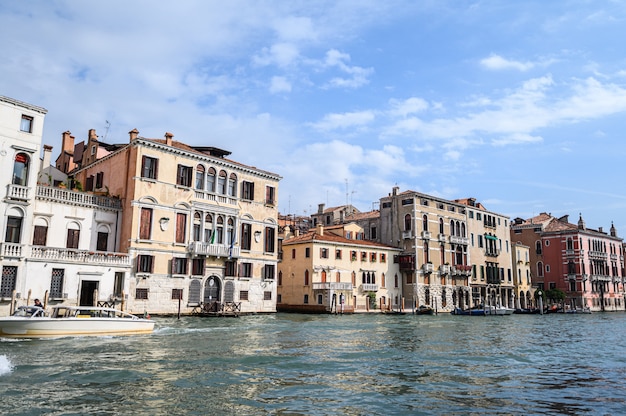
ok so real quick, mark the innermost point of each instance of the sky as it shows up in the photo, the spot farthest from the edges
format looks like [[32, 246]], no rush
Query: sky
[[520, 105]]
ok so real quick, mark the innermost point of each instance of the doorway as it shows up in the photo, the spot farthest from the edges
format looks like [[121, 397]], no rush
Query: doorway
[[87, 289]]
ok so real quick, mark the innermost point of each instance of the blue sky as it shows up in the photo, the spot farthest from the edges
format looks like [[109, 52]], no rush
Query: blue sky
[[519, 104]]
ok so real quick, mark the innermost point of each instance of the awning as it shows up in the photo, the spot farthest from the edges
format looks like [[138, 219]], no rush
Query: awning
[[491, 237]]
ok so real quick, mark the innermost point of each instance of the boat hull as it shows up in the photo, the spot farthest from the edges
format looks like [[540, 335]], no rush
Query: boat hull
[[49, 327]]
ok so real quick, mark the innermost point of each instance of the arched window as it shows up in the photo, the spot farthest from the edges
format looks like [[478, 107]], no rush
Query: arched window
[[538, 247], [570, 244], [230, 226], [407, 222], [208, 228], [440, 225], [452, 227], [442, 252], [280, 278], [200, 177], [221, 183], [219, 238], [338, 277], [232, 185], [20, 169], [14, 221], [425, 222], [306, 277], [462, 230], [458, 229], [323, 276], [426, 253], [210, 180], [539, 268]]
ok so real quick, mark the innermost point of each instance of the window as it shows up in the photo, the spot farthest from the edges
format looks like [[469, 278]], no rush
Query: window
[[269, 272], [20, 169], [179, 265], [177, 294], [246, 236], [149, 167], [118, 284], [373, 235], [221, 183], [363, 256], [73, 235], [270, 238], [373, 257], [306, 299], [56, 283], [40, 235], [306, 277], [230, 268], [183, 175], [247, 190], [353, 255], [197, 267], [267, 295], [320, 299], [102, 244], [181, 228], [243, 295], [307, 252], [383, 258], [407, 222], [245, 270], [425, 222], [338, 254], [232, 185], [324, 253], [14, 230], [141, 293], [270, 195], [210, 180], [99, 180], [9, 278], [145, 263], [89, 183], [27, 124], [200, 177], [145, 224]]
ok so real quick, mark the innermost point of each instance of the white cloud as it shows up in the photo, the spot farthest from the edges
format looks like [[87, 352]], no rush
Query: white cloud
[[358, 76], [496, 62], [279, 54], [345, 120], [409, 106], [280, 84], [517, 138]]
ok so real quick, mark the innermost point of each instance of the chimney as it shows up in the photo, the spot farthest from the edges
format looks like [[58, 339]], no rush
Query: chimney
[[168, 138], [92, 135], [320, 208], [47, 156], [319, 229], [133, 134], [67, 142], [394, 190], [600, 230], [613, 230]]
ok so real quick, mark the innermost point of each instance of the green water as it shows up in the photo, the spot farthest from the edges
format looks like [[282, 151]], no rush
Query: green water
[[289, 364]]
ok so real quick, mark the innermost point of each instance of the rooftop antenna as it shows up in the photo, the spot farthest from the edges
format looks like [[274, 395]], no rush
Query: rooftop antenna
[[347, 193], [106, 130]]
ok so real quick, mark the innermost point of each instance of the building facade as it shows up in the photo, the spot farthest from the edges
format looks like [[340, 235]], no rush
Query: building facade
[[200, 229], [522, 279], [585, 264], [328, 270], [432, 234]]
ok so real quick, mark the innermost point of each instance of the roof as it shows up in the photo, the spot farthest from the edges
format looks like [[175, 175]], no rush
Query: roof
[[314, 236], [357, 216]]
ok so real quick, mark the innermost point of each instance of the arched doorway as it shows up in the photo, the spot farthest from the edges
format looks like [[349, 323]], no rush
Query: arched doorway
[[212, 290]]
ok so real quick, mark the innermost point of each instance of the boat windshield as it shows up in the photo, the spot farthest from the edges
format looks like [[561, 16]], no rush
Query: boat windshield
[[28, 311]]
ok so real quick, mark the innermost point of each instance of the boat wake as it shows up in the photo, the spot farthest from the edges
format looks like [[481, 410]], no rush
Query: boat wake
[[5, 365]]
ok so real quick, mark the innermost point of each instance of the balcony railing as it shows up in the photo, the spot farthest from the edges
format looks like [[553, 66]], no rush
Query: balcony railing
[[216, 250], [492, 253], [332, 286], [442, 238], [407, 234], [426, 235], [11, 249], [458, 240], [71, 255], [427, 267], [369, 287], [18, 192], [444, 269], [210, 196], [77, 198], [598, 255]]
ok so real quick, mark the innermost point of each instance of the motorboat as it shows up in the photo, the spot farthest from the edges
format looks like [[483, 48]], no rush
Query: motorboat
[[424, 310], [498, 310], [468, 312], [35, 322]]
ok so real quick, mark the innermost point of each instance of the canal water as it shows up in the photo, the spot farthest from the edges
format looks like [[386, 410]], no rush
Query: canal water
[[287, 364]]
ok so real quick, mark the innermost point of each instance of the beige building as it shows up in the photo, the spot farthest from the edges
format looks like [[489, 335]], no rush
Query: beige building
[[329, 270], [524, 291], [490, 255], [432, 235], [200, 229]]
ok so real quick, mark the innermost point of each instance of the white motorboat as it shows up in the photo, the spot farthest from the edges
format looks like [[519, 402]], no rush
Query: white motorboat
[[34, 322], [498, 310]]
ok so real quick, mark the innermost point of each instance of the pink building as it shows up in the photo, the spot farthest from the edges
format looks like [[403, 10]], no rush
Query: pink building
[[586, 264]]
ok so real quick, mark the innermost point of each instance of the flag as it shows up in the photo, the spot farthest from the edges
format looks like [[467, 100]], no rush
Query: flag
[[232, 243], [212, 237]]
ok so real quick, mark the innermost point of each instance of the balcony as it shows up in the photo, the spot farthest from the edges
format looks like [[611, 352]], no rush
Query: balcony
[[332, 286], [407, 234], [492, 253], [84, 199], [11, 250], [444, 269], [369, 287], [441, 238], [72, 255], [18, 192], [198, 248], [210, 196], [597, 255], [426, 235], [427, 267], [459, 240], [569, 253]]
